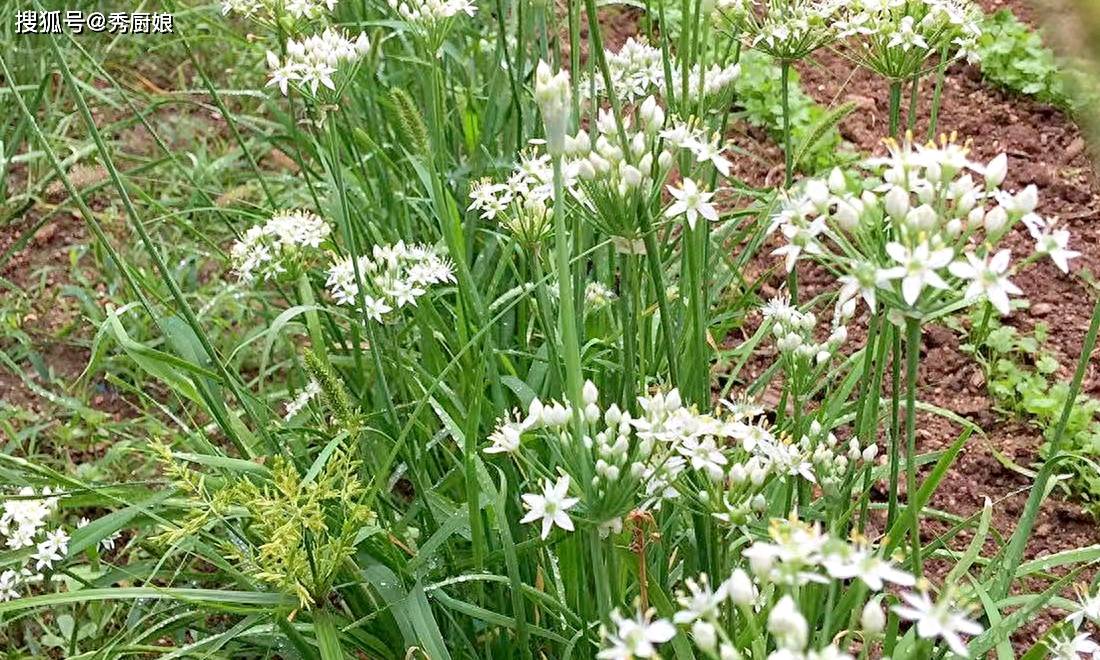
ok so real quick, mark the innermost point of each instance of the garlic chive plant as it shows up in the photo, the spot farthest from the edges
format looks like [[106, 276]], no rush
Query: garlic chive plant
[[789, 31], [897, 39]]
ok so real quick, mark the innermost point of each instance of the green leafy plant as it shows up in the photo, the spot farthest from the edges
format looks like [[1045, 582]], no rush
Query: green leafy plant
[[1013, 56], [1021, 378], [757, 92]]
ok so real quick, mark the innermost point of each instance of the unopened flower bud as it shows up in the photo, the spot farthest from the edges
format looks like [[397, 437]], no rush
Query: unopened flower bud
[[706, 638], [1026, 200], [873, 619], [995, 220], [740, 588], [837, 182], [897, 203], [846, 216], [589, 393], [631, 176], [996, 170], [818, 193]]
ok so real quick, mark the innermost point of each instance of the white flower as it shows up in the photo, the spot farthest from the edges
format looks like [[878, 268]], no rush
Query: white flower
[[375, 308], [551, 506], [107, 543], [635, 638], [704, 455], [1055, 244], [53, 549], [691, 202], [937, 620], [869, 568], [1074, 648], [506, 437], [9, 584], [987, 276], [1089, 608], [699, 602], [917, 268]]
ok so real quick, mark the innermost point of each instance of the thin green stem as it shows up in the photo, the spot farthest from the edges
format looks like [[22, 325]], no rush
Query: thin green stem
[[937, 94], [895, 408], [895, 107], [912, 364], [788, 151], [571, 351]]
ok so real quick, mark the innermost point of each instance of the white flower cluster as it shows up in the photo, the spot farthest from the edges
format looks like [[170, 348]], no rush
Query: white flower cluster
[[796, 554], [23, 524], [603, 158], [526, 197], [794, 331], [606, 172], [788, 30], [895, 37], [312, 62], [631, 461], [431, 12], [637, 70], [611, 175], [273, 9], [278, 246], [900, 237], [393, 276]]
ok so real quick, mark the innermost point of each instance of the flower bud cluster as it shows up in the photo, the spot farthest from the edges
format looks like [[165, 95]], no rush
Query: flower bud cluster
[[787, 31], [271, 10], [431, 12], [921, 219], [637, 71], [283, 244], [794, 332], [895, 38], [312, 62], [602, 158], [393, 276], [835, 462]]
